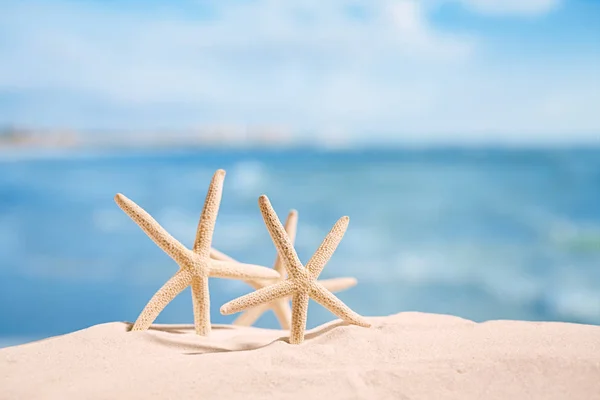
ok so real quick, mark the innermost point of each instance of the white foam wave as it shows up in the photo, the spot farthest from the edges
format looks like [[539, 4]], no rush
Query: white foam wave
[[246, 178], [579, 302]]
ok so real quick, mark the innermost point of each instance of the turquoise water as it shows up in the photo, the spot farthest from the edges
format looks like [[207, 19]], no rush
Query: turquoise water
[[483, 234]]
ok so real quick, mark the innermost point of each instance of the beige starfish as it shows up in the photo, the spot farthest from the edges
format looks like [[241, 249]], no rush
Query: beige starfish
[[302, 283], [194, 266], [281, 306]]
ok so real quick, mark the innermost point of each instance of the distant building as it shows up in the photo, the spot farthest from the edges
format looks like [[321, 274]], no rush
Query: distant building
[[10, 135]]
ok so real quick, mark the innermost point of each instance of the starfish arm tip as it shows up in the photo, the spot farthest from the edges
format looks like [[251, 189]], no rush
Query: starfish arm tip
[[236, 270], [269, 276], [366, 324], [225, 309], [119, 198], [263, 199], [359, 320], [220, 172], [258, 272]]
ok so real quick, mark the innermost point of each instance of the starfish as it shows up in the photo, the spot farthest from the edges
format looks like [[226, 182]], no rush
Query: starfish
[[281, 306], [302, 283], [195, 266]]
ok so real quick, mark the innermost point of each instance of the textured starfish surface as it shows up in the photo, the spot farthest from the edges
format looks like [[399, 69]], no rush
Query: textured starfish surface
[[280, 306], [302, 283], [195, 266]]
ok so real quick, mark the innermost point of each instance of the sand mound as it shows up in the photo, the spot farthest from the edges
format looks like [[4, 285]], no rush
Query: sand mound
[[405, 356]]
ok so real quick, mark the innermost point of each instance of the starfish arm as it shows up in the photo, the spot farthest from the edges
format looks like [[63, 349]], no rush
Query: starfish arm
[[220, 256], [283, 312], [291, 226], [338, 284], [201, 305], [208, 218], [299, 315], [250, 316], [327, 247], [261, 296], [235, 270], [335, 305], [282, 242], [157, 233], [161, 298]]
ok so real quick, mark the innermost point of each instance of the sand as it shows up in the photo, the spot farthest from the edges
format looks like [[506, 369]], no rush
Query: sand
[[405, 356]]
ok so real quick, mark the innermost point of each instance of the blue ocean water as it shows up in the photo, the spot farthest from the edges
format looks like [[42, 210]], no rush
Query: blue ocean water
[[479, 233]]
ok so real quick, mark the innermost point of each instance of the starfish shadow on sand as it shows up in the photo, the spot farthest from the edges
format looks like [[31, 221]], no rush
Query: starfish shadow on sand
[[177, 328], [174, 336]]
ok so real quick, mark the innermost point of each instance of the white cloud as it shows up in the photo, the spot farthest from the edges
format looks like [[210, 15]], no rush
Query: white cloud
[[259, 53], [137, 57], [348, 66]]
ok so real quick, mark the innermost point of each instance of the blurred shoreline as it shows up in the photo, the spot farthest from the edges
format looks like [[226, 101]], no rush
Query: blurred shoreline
[[215, 136], [18, 141]]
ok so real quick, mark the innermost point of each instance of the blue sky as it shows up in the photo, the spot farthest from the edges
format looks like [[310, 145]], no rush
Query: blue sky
[[402, 70]]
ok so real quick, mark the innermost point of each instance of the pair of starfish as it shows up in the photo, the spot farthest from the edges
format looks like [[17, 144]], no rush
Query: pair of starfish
[[196, 266]]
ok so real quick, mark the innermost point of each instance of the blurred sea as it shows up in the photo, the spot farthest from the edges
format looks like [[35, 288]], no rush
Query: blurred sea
[[479, 233]]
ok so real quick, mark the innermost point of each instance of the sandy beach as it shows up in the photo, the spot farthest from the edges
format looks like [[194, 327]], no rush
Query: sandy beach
[[404, 356]]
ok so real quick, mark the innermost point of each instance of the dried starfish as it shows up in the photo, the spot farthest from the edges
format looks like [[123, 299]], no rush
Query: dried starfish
[[281, 306], [302, 283], [195, 267]]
